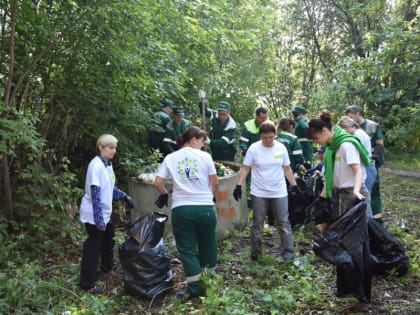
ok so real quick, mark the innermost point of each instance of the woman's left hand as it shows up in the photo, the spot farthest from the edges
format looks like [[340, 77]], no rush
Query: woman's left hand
[[358, 195]]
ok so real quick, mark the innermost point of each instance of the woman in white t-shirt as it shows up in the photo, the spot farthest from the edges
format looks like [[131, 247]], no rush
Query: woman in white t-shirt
[[95, 213], [353, 128], [345, 161], [194, 180], [270, 163]]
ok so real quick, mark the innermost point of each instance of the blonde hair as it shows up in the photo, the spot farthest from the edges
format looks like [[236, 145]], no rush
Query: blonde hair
[[106, 140], [346, 122]]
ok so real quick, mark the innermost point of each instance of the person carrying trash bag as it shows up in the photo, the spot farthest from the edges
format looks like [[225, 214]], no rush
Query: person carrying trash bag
[[95, 213], [194, 179], [345, 161]]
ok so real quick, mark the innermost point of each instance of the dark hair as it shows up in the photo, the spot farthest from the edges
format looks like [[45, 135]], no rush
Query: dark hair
[[267, 127], [353, 109], [292, 123], [316, 124], [285, 124], [190, 133], [260, 110]]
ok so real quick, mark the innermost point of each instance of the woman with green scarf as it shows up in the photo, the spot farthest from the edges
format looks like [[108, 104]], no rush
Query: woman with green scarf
[[345, 161]]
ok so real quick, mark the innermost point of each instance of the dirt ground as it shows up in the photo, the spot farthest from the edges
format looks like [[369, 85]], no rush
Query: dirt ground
[[402, 298]]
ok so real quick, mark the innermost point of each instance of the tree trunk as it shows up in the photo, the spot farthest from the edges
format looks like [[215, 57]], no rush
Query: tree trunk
[[7, 188]]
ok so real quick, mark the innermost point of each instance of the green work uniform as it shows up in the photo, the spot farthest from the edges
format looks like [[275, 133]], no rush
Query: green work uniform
[[305, 143], [375, 133], [222, 137], [249, 135], [158, 129], [172, 130], [293, 147]]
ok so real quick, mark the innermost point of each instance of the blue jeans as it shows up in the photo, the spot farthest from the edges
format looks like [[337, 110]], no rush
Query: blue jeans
[[371, 174]]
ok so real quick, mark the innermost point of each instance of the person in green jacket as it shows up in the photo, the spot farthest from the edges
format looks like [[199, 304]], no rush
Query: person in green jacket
[[223, 130], [158, 128], [299, 113], [377, 142], [250, 131], [291, 142], [176, 126]]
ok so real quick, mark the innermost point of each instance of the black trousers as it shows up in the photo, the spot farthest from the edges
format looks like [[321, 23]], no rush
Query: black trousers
[[98, 244]]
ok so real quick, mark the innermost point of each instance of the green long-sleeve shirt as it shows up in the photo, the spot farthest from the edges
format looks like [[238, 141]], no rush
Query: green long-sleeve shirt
[[222, 136], [294, 148], [172, 130]]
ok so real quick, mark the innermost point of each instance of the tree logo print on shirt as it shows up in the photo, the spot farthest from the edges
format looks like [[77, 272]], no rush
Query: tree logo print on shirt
[[187, 167]]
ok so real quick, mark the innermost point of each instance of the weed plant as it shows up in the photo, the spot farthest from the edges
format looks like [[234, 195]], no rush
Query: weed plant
[[40, 271]]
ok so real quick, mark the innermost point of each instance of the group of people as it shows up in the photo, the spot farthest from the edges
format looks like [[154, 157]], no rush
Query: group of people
[[271, 154], [163, 132]]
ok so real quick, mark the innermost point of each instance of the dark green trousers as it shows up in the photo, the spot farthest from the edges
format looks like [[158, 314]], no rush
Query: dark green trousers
[[194, 229]]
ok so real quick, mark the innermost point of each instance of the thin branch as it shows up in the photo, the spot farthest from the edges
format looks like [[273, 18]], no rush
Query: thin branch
[[51, 44], [9, 81]]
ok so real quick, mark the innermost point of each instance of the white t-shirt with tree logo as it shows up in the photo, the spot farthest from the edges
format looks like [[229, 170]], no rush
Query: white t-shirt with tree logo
[[189, 170]]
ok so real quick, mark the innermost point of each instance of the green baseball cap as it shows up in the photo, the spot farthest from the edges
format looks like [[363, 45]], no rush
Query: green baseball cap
[[225, 106], [299, 110], [178, 111], [166, 103]]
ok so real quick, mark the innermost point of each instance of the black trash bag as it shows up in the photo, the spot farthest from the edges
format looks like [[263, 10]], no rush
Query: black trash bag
[[385, 253], [345, 243], [298, 206], [144, 258]]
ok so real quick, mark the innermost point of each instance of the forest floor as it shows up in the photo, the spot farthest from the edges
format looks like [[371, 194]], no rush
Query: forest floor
[[390, 294], [41, 272]]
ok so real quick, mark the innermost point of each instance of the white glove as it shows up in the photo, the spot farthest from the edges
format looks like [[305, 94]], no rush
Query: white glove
[[201, 94]]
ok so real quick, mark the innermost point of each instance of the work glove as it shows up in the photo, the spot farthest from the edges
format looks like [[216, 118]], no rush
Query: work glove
[[237, 192], [201, 94], [162, 201], [129, 201]]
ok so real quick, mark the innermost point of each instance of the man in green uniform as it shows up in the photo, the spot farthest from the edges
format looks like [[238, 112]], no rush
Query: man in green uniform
[[161, 120], [223, 130], [377, 142], [176, 126], [299, 113], [250, 131], [291, 143]]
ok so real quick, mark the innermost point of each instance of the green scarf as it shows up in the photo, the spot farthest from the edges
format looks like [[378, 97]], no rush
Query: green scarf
[[339, 137]]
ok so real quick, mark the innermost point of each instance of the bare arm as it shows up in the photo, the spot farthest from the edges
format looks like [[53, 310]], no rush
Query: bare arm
[[289, 175], [242, 175], [358, 180], [213, 183], [160, 185]]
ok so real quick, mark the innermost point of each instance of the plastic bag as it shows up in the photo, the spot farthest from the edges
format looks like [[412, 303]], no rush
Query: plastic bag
[[386, 254], [144, 259], [345, 243], [299, 207]]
